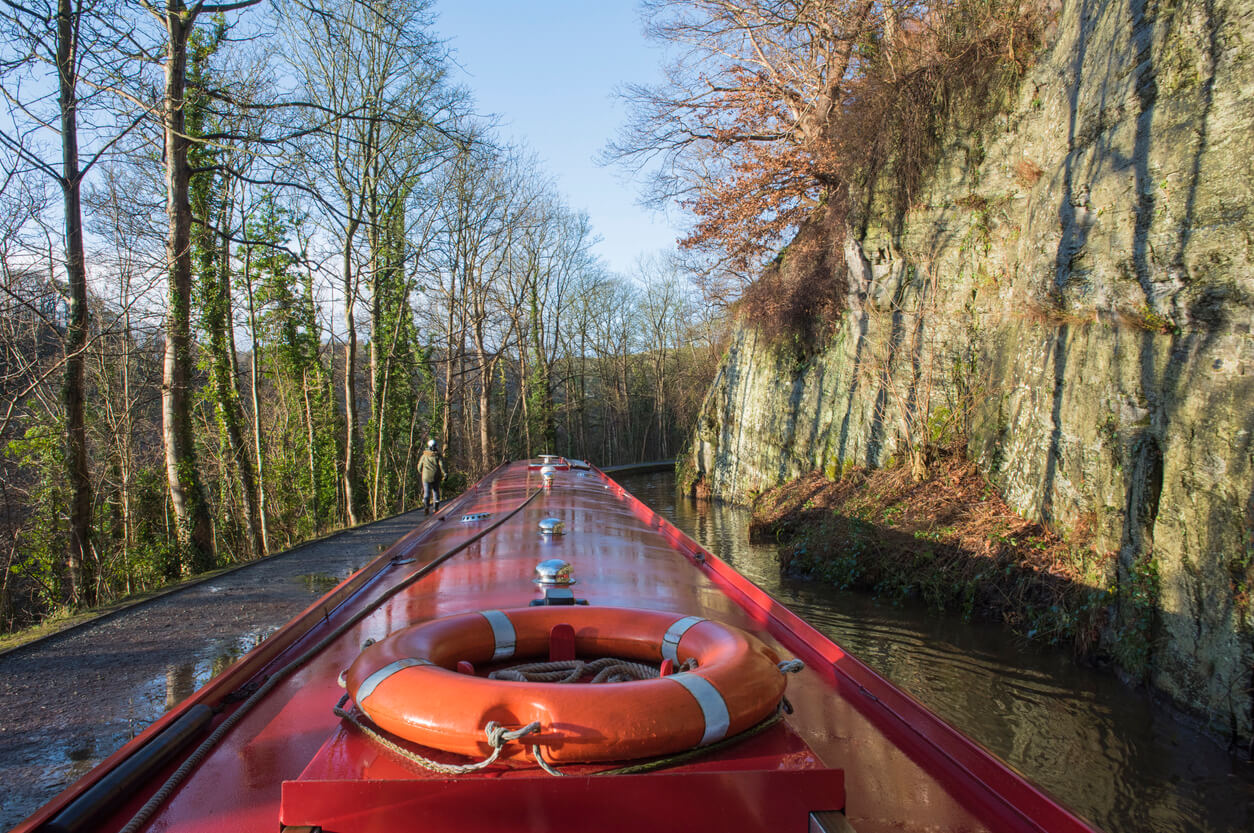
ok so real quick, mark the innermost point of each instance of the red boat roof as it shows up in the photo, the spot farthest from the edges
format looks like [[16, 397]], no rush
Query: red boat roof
[[903, 768]]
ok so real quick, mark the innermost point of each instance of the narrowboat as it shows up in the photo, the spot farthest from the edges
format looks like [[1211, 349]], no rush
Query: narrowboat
[[546, 653]]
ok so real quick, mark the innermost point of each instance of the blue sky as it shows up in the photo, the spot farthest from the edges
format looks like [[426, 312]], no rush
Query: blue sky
[[548, 69]]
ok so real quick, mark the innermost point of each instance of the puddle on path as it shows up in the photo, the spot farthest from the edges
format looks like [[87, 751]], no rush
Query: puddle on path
[[320, 584], [45, 761], [182, 679]]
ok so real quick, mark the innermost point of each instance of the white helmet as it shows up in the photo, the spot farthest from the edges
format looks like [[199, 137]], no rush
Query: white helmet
[[431, 443]]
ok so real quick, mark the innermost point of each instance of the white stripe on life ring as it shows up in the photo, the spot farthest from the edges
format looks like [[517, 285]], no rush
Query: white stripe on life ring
[[502, 633], [713, 706], [368, 685], [670, 640]]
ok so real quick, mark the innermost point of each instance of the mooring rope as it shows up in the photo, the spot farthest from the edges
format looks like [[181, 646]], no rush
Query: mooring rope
[[498, 736]]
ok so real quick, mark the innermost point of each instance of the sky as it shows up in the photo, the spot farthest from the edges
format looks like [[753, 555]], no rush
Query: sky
[[548, 69]]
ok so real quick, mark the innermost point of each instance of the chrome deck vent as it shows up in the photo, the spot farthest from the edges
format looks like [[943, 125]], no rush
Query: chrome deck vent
[[553, 526], [475, 517], [554, 572], [554, 578]]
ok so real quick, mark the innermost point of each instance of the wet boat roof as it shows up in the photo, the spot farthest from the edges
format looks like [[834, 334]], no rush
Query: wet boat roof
[[903, 768]]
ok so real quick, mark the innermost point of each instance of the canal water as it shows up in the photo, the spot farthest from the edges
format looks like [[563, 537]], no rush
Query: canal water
[[1124, 762]]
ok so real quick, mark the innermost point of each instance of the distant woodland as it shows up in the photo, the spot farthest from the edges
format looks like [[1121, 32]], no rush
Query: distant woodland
[[254, 255]]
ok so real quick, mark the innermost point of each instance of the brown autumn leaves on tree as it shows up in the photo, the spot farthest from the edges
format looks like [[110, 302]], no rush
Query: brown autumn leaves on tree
[[783, 115]]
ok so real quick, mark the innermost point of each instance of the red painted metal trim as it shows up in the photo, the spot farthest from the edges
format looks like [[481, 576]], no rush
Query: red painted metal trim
[[251, 664], [770, 801], [976, 780], [966, 763]]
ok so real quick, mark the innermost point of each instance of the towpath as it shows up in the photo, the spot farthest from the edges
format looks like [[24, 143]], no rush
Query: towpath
[[73, 698]]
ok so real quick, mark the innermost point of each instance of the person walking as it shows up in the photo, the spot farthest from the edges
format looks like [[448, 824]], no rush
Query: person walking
[[431, 470]]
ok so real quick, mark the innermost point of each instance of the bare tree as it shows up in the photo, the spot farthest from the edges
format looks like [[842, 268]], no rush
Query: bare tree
[[662, 315], [554, 249], [77, 43], [741, 121], [376, 68]]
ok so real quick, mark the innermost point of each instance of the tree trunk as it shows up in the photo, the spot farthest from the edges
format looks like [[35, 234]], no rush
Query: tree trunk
[[194, 532], [125, 455], [80, 589], [311, 439], [217, 319], [524, 396], [254, 368], [485, 400], [263, 524], [582, 409], [351, 498], [543, 382], [659, 402], [448, 365], [377, 386], [485, 419], [380, 401]]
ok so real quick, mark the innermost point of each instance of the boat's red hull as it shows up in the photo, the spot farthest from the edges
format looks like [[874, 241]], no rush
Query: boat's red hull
[[903, 768]]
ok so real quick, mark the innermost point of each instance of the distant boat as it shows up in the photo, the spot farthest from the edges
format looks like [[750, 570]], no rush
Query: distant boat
[[423, 693]]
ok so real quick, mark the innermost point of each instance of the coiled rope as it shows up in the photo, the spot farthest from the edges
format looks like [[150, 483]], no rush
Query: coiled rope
[[604, 670]]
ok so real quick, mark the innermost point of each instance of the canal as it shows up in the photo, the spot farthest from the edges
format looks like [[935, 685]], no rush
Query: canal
[[1103, 748], [1123, 761]]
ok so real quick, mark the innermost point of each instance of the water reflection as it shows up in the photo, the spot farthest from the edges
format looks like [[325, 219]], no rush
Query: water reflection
[[319, 584], [1104, 749], [184, 678]]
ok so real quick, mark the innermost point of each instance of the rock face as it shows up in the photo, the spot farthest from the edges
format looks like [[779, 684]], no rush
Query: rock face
[[1074, 294]]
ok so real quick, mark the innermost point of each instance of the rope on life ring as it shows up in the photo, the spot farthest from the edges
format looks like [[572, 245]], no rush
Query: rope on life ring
[[405, 684], [497, 737], [603, 670], [496, 733]]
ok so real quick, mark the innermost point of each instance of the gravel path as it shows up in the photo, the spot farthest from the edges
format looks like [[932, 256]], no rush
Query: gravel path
[[72, 699]]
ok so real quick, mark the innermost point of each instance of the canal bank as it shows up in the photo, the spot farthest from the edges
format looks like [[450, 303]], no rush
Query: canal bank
[[77, 696], [1105, 749]]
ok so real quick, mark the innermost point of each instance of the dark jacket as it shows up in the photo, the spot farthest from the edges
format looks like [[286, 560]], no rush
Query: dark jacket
[[431, 467]]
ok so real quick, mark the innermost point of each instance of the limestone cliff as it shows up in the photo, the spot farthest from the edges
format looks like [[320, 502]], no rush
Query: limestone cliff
[[1074, 294]]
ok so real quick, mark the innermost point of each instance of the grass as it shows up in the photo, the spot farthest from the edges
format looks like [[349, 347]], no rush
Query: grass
[[64, 619]]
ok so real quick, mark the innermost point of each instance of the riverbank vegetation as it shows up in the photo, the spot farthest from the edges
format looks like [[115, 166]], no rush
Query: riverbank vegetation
[[948, 540], [253, 257]]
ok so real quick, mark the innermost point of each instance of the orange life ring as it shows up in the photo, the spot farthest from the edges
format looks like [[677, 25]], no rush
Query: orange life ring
[[406, 684]]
